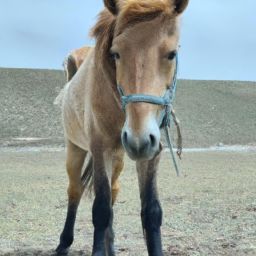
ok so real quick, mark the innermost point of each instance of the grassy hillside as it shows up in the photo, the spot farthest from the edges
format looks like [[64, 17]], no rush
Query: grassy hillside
[[210, 111]]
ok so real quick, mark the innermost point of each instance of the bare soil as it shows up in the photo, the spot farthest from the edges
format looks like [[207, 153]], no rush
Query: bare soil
[[210, 210]]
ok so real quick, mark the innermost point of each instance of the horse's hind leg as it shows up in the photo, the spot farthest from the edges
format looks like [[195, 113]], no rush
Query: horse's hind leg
[[118, 165], [116, 170], [74, 164], [151, 212]]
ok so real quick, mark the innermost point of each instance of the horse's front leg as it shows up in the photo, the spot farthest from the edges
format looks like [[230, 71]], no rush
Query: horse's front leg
[[102, 206], [151, 212]]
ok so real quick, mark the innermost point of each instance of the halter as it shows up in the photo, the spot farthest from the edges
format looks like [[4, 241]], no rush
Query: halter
[[165, 115]]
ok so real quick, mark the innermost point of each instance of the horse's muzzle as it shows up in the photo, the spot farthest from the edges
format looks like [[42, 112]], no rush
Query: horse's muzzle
[[145, 146]]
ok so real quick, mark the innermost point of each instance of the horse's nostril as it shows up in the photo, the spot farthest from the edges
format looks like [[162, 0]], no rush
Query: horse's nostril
[[137, 147], [125, 137], [152, 140]]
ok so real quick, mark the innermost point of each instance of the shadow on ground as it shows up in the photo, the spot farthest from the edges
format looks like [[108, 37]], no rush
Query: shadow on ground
[[36, 252]]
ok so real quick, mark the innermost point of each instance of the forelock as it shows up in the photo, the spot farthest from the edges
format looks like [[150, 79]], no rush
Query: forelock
[[137, 11]]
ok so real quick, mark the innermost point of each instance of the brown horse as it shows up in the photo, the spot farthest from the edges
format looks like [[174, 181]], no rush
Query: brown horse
[[136, 43], [74, 61]]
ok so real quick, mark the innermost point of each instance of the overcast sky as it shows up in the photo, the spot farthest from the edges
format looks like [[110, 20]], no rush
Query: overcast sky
[[218, 38]]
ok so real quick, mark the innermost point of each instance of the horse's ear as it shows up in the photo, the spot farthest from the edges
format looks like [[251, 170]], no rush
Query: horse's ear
[[111, 6], [180, 6]]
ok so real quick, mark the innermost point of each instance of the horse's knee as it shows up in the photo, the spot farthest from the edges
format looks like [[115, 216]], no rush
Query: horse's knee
[[75, 184], [74, 192], [151, 215]]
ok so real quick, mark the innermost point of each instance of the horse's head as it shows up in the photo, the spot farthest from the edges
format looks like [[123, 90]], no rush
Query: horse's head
[[144, 46]]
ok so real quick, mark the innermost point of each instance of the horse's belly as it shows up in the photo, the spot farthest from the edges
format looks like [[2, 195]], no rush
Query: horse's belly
[[74, 121], [76, 134]]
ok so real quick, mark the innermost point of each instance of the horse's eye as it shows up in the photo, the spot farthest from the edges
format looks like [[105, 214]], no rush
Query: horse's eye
[[172, 55], [115, 55]]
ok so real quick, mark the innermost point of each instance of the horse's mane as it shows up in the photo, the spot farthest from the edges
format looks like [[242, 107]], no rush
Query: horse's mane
[[131, 13], [103, 32]]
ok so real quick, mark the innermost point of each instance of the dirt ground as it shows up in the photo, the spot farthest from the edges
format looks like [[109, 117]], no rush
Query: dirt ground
[[211, 210]]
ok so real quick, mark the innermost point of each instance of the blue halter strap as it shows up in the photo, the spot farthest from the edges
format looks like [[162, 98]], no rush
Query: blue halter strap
[[166, 114], [166, 100]]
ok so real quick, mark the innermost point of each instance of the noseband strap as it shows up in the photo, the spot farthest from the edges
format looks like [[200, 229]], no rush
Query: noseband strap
[[163, 101], [167, 113]]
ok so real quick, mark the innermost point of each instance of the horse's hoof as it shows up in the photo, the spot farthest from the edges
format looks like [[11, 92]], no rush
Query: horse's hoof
[[99, 253], [111, 250], [61, 251]]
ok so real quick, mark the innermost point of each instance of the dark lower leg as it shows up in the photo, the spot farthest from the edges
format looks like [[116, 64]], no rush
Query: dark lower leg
[[151, 216], [151, 212], [109, 238], [67, 235], [101, 216]]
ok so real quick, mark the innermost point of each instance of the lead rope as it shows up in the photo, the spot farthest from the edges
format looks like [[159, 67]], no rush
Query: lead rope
[[177, 124], [179, 139], [170, 145]]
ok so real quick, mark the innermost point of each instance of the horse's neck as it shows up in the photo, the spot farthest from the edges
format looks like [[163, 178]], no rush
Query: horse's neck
[[105, 99], [105, 83]]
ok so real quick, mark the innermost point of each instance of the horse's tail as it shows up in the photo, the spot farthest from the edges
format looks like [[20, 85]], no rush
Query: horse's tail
[[70, 69], [87, 177]]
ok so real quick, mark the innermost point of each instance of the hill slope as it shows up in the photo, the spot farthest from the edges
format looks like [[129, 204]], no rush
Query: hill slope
[[210, 111]]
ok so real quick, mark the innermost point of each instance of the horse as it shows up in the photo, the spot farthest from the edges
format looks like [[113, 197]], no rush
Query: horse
[[74, 60], [113, 104]]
